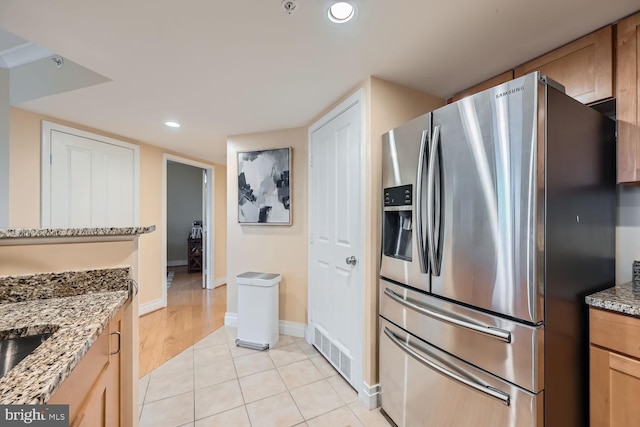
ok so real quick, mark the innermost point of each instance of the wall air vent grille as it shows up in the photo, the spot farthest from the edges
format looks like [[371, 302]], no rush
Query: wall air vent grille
[[345, 365], [335, 355], [333, 352]]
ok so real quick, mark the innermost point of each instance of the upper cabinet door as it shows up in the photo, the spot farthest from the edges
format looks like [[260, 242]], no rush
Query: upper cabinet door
[[494, 81], [584, 67], [627, 94]]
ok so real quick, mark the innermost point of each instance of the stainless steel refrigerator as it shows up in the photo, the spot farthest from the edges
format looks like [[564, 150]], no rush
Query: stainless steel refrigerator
[[498, 218]]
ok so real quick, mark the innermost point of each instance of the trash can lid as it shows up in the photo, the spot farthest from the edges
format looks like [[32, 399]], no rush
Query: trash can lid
[[258, 278]]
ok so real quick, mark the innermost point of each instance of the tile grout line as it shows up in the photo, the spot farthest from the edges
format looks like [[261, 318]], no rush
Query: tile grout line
[[233, 361], [290, 395]]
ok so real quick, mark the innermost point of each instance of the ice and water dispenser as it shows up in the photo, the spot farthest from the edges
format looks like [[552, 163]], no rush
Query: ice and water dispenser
[[398, 222]]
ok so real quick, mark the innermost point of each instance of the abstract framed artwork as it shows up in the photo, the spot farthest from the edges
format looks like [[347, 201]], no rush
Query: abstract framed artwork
[[264, 187]]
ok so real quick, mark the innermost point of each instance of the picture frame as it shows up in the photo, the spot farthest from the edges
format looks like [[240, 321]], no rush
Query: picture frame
[[264, 187]]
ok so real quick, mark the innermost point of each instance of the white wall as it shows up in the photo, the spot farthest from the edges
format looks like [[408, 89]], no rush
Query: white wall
[[4, 148], [627, 231], [184, 205]]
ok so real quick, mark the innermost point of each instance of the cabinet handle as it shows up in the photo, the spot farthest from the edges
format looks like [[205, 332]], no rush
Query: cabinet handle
[[119, 342]]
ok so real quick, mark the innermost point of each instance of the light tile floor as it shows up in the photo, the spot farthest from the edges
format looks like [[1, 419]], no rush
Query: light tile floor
[[216, 383]]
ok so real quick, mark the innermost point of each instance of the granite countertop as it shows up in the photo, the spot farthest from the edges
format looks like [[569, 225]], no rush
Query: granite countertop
[[75, 306], [34, 233], [624, 298]]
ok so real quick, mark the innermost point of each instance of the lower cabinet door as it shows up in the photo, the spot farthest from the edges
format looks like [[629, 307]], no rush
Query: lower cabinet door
[[420, 385], [95, 412], [615, 389]]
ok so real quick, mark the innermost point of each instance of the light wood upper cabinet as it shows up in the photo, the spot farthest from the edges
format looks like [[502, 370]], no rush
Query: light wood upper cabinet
[[584, 67], [614, 369], [499, 79], [627, 94]]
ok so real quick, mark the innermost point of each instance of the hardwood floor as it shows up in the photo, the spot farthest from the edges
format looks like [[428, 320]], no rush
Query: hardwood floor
[[191, 314]]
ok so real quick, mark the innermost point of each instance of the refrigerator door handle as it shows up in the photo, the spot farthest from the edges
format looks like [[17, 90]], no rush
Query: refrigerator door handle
[[499, 334], [496, 394], [424, 267], [431, 215]]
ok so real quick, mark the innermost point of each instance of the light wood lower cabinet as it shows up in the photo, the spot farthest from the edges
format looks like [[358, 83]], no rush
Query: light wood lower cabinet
[[93, 390], [614, 369]]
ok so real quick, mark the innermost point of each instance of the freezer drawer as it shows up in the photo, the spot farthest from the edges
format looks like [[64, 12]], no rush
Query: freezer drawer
[[421, 385], [511, 350]]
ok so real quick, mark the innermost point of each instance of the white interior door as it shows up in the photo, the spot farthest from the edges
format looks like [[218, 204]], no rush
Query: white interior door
[[88, 182], [207, 222], [335, 251]]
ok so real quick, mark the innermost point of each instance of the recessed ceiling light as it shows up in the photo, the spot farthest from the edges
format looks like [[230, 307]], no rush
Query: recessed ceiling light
[[341, 12], [172, 124]]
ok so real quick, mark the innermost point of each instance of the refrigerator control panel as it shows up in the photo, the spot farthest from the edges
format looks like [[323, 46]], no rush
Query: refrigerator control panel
[[398, 196]]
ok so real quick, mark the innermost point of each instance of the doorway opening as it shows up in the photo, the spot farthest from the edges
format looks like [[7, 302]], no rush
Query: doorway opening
[[188, 217]]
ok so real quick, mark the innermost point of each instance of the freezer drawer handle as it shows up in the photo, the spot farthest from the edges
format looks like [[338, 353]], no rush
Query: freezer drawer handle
[[490, 331], [496, 394]]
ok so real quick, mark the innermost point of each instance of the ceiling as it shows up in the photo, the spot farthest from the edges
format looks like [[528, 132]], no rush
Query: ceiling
[[226, 67]]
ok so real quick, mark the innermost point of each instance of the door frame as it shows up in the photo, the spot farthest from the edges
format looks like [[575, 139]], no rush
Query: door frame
[[357, 98], [209, 220], [45, 167]]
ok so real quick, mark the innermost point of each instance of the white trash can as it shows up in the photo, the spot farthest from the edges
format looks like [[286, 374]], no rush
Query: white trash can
[[258, 310]]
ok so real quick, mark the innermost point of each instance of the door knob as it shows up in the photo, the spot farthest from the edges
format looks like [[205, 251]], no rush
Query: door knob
[[351, 260]]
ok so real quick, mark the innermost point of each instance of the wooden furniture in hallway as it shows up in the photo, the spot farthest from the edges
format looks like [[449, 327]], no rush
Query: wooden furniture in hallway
[[194, 255], [191, 314]]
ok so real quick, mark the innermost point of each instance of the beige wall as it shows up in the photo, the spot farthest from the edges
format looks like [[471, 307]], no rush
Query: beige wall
[[151, 247], [24, 194], [272, 249], [220, 214], [33, 259]]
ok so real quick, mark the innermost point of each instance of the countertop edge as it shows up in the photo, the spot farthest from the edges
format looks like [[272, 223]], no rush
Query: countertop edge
[[13, 234], [623, 298]]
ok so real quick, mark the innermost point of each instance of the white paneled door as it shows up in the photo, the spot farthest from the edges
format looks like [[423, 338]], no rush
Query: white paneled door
[[91, 183], [335, 239]]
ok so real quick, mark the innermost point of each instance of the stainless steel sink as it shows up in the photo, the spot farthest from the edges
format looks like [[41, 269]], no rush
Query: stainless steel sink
[[13, 350]]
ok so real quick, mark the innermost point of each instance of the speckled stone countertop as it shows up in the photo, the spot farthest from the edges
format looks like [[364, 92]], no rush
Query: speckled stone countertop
[[30, 233], [76, 322], [624, 298], [65, 284]]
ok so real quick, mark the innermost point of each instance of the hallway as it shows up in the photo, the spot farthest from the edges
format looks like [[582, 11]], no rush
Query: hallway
[[191, 314]]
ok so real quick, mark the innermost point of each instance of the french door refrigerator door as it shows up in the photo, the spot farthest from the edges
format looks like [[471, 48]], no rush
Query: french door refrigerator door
[[404, 162], [483, 234], [423, 386]]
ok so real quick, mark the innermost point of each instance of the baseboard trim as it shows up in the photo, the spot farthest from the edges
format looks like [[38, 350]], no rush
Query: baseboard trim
[[285, 327], [178, 263], [231, 319], [219, 282], [294, 329], [150, 306], [370, 395]]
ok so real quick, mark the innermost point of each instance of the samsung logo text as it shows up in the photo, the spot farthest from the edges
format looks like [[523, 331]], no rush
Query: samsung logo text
[[510, 92]]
